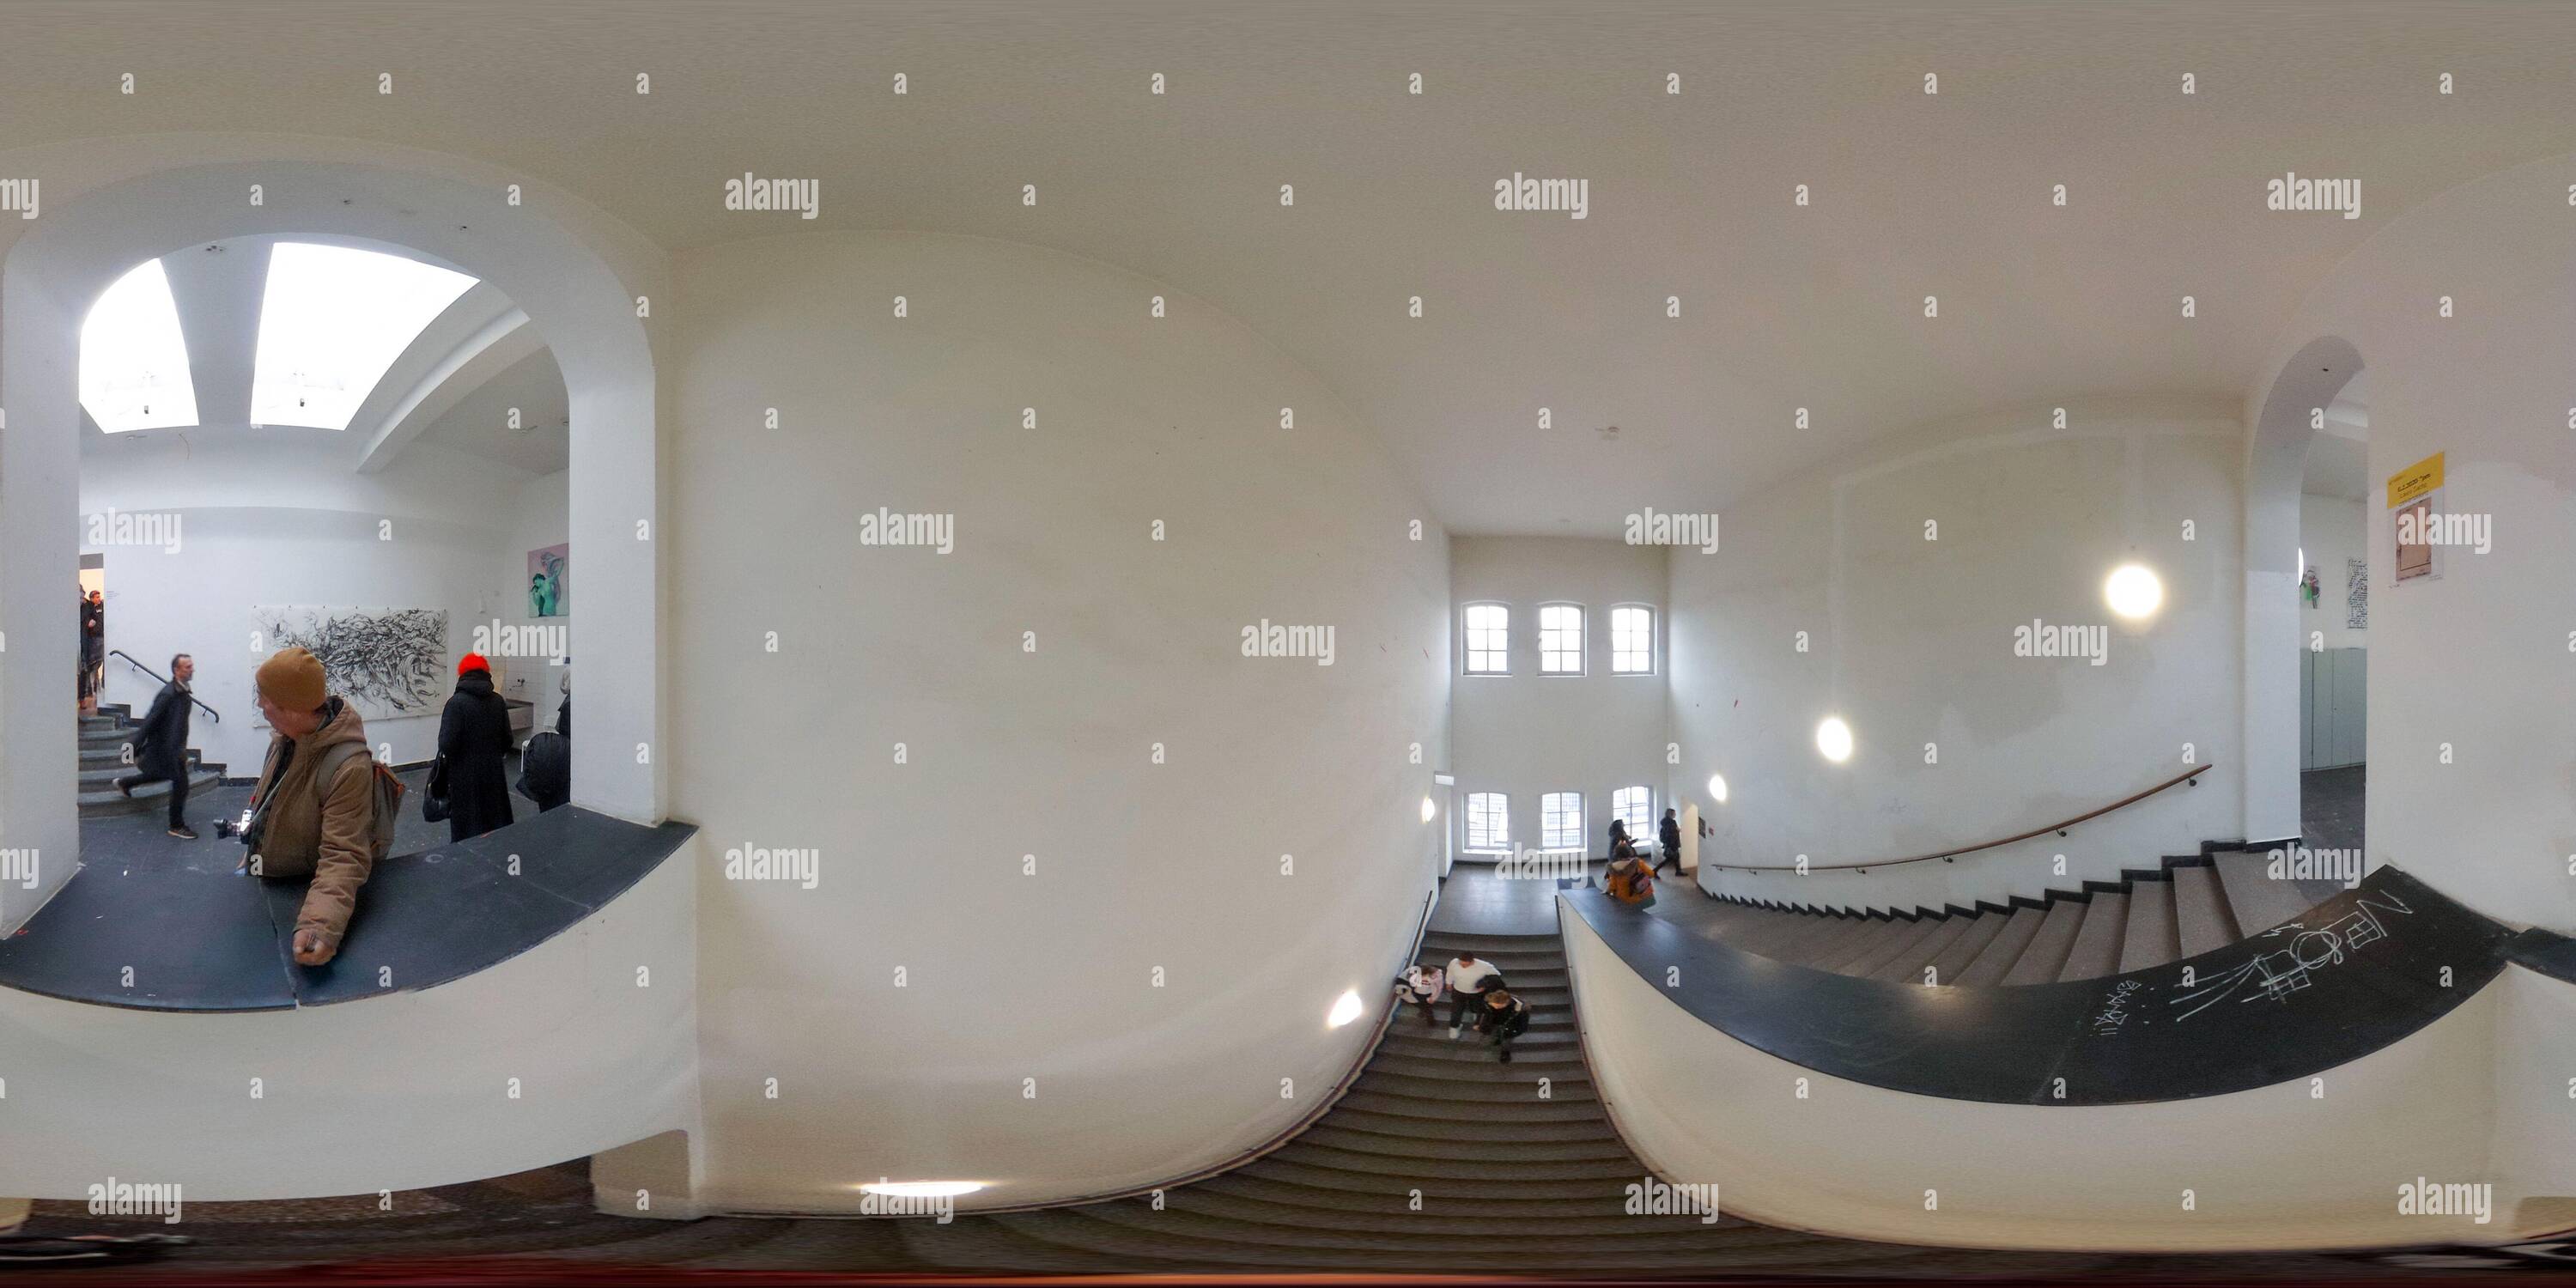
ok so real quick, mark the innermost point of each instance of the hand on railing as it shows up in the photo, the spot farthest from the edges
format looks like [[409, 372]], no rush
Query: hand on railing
[[192, 698]]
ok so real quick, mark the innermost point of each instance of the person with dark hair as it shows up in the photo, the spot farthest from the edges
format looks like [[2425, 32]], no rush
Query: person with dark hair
[[473, 754], [1672, 839], [1502, 1018], [1422, 986], [161, 745], [93, 649], [1469, 977]]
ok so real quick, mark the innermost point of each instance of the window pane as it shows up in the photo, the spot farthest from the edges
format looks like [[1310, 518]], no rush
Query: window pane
[[1635, 806], [1632, 640], [1560, 639], [1561, 821], [1489, 821], [1488, 639]]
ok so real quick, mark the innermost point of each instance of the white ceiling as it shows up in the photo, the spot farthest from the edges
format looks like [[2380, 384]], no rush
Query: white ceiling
[[1782, 306]]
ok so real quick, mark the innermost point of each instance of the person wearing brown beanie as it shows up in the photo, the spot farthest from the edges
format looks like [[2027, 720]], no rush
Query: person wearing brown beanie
[[304, 826]]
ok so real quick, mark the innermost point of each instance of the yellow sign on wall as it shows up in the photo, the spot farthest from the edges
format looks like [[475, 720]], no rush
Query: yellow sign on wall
[[2415, 480]]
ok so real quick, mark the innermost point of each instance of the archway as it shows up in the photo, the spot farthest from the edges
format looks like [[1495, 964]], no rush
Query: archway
[[584, 282], [2275, 465]]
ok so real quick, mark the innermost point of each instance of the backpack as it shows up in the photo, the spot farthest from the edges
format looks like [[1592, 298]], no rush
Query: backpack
[[387, 798]]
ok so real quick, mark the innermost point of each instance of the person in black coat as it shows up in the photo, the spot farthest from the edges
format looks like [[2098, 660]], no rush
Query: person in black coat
[[474, 743], [1672, 839], [161, 745]]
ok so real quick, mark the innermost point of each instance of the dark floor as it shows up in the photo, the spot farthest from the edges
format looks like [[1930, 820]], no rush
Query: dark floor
[[2330, 803], [144, 836]]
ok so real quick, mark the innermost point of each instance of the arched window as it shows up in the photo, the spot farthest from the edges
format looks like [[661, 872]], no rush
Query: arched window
[[1632, 640], [1489, 821], [1560, 639], [1560, 821], [1488, 631]]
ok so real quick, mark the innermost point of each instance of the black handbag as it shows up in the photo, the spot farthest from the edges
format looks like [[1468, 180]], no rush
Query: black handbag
[[433, 803]]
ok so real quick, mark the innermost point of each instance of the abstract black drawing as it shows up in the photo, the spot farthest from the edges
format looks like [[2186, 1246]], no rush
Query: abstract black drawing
[[386, 661]]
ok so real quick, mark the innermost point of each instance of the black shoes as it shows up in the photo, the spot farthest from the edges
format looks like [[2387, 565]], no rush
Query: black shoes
[[125, 788], [184, 832]]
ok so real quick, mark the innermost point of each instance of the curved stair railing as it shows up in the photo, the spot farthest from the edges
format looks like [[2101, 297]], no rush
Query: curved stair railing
[[192, 698], [2187, 778]]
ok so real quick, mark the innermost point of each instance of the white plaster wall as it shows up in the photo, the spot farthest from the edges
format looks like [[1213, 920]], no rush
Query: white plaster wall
[[2273, 1168], [1527, 734], [539, 516], [1911, 642], [2472, 681], [2331, 530], [1028, 867]]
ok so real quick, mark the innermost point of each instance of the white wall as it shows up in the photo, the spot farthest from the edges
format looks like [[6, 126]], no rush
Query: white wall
[[2332, 529], [280, 519], [1027, 1044], [1911, 642], [2472, 691], [1526, 734]]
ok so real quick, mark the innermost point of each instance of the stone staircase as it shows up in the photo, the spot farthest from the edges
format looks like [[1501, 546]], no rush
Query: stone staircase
[[1440, 1158], [2191, 905], [103, 738]]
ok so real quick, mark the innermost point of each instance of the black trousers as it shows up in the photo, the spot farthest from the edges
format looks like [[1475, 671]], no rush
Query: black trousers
[[178, 780], [1671, 856], [1460, 1004]]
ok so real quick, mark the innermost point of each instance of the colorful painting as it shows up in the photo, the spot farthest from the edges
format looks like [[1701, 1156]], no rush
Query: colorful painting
[[549, 581]]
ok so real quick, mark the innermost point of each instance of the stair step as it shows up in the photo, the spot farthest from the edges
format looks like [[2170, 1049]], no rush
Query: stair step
[[2045, 957], [1882, 935], [1456, 1231], [1160, 1243], [1490, 1127], [1907, 967], [1463, 1177], [2201, 918], [1477, 1063], [1550, 1219], [2257, 901], [1412, 1149], [2152, 939], [1953, 961], [1904, 941], [1831, 938], [147, 796], [1997, 959], [1440, 1112], [1523, 1091], [1331, 1204], [2097, 944]]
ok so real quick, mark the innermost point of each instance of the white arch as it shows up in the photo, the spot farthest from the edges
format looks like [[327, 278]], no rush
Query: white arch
[[2276, 455], [581, 277]]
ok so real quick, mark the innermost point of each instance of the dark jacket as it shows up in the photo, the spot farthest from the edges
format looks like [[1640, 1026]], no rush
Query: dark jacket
[[474, 736], [1621, 844], [563, 717], [1510, 1021], [161, 741], [1672, 835], [545, 770]]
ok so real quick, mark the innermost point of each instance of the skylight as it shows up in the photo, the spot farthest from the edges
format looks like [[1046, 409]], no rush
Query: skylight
[[133, 359], [333, 319]]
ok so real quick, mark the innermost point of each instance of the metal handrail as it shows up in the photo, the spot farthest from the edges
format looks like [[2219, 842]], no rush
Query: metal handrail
[[1949, 854], [192, 697]]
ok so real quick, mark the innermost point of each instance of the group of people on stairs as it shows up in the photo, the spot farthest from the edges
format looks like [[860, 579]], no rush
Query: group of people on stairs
[[1475, 986]]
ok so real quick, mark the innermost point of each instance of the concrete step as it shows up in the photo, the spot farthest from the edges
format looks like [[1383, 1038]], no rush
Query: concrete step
[[1419, 1148], [1515, 1128], [1362, 1177], [2097, 944], [93, 778], [1518, 1088], [1951, 962], [2000, 954], [1438, 1112], [2044, 958], [2254, 898], [2153, 938], [1911, 936], [147, 797], [2202, 920], [1907, 967]]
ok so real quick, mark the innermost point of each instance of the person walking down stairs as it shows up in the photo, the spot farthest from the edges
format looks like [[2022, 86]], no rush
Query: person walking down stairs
[[161, 748], [1469, 977], [1505, 1017], [1422, 986]]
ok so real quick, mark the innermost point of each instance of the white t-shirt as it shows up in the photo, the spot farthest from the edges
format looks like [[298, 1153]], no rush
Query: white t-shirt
[[1467, 978]]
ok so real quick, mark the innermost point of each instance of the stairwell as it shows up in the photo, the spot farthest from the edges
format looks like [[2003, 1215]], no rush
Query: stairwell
[[103, 739], [1439, 1158], [2191, 905]]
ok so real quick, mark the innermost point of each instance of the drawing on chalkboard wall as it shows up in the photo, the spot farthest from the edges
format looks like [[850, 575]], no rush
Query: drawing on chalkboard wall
[[2356, 594], [2278, 974]]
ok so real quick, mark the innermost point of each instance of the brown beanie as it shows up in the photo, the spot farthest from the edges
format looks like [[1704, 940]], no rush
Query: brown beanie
[[293, 680]]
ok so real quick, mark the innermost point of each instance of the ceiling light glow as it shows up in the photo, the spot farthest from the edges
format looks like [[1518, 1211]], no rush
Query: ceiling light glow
[[1834, 739]]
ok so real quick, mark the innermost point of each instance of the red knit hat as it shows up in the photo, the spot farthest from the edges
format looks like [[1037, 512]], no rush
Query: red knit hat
[[473, 662]]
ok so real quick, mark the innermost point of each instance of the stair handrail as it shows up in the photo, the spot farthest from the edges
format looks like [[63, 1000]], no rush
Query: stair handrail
[[1412, 953], [2059, 827], [192, 697]]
